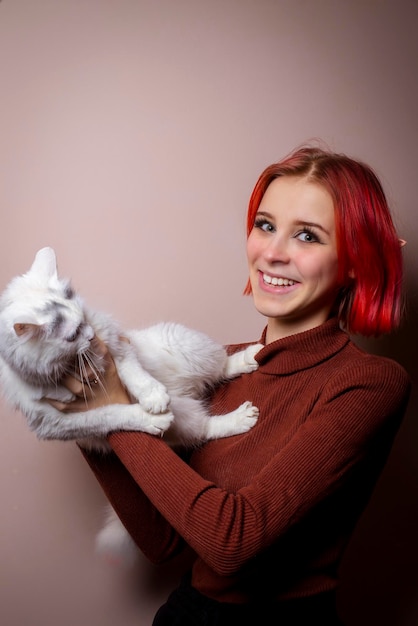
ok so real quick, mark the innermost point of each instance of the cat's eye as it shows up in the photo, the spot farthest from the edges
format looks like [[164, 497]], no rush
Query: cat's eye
[[71, 338]]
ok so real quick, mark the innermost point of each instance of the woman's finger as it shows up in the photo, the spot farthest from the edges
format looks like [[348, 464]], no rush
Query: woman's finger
[[74, 385], [75, 406]]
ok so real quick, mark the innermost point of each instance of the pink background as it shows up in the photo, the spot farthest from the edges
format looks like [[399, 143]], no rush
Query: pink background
[[132, 133]]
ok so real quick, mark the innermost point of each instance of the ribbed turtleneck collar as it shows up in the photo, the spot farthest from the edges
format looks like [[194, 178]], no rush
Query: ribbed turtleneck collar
[[303, 350]]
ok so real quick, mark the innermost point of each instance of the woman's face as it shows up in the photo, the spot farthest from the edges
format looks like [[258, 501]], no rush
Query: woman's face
[[292, 256]]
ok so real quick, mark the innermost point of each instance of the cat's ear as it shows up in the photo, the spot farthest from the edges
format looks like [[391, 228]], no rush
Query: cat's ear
[[45, 263], [23, 329]]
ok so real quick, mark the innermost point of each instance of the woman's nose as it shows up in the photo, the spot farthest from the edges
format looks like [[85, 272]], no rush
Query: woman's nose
[[277, 250]]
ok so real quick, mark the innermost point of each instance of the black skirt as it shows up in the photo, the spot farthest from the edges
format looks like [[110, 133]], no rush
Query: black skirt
[[187, 607]]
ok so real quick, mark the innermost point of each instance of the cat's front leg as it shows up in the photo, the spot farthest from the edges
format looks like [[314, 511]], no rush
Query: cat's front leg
[[99, 422], [242, 362], [147, 390]]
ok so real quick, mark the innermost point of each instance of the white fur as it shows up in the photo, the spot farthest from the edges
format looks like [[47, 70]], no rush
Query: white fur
[[46, 332]]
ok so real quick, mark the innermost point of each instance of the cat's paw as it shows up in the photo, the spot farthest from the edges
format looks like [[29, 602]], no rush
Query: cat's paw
[[236, 422], [155, 399], [249, 362], [157, 424], [243, 362], [245, 417]]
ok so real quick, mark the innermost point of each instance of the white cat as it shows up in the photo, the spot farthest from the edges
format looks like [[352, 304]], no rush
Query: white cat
[[46, 331]]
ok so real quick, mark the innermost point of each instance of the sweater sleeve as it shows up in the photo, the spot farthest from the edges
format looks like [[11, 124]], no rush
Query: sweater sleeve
[[156, 538], [225, 529]]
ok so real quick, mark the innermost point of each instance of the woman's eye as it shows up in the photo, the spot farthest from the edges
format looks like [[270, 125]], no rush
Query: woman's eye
[[307, 236], [265, 225]]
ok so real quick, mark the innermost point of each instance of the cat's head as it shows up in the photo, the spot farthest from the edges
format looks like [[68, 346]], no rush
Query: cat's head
[[42, 321]]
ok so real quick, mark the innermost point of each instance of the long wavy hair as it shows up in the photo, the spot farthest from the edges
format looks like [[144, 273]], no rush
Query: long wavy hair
[[370, 264]]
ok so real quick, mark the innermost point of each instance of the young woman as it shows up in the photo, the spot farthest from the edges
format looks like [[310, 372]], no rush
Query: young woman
[[268, 513]]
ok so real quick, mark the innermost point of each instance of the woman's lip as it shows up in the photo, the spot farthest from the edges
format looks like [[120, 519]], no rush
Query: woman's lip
[[273, 288]]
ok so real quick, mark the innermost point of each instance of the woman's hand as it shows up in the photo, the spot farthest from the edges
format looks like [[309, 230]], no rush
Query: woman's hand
[[92, 392]]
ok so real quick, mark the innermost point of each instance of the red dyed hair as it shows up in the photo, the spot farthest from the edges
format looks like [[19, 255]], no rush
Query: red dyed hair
[[370, 265]]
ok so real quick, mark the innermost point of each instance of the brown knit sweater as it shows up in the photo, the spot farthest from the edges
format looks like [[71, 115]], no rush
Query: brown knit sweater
[[267, 513]]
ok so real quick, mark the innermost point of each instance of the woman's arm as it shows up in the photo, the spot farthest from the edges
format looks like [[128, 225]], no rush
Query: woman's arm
[[227, 529], [355, 411]]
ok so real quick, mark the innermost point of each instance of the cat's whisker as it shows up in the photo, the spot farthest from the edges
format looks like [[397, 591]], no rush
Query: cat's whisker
[[82, 373], [51, 380], [97, 376], [87, 368]]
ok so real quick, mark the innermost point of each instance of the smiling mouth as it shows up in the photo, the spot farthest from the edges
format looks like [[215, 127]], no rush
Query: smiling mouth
[[277, 282]]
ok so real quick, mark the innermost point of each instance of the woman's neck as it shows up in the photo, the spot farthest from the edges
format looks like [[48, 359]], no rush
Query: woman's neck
[[281, 328]]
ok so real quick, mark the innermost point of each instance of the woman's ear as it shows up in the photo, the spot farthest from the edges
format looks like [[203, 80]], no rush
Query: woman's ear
[[402, 242]]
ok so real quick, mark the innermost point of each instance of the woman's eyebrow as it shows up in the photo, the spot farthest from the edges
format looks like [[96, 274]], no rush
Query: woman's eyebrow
[[312, 225]]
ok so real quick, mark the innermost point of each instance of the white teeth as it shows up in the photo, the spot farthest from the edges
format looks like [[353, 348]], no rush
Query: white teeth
[[277, 282]]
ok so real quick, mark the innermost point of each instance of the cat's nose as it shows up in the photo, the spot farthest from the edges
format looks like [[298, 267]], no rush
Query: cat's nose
[[88, 332]]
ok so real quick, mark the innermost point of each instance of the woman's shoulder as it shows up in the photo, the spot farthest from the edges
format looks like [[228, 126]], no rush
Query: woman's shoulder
[[373, 369], [373, 360]]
